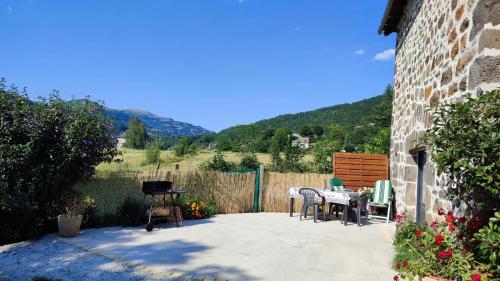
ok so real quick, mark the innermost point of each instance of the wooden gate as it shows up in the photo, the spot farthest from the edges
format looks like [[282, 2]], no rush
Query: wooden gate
[[358, 170]]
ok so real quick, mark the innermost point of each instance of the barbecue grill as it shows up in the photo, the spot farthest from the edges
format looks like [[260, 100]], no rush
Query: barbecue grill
[[155, 188]]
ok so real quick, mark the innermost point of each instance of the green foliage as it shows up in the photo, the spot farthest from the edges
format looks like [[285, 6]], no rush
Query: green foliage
[[131, 212], [193, 208], [488, 238], [249, 161], [381, 142], [185, 147], [464, 142], [153, 153], [45, 148], [383, 111], [318, 130], [438, 250], [323, 155], [135, 136], [218, 163], [305, 130], [362, 120]]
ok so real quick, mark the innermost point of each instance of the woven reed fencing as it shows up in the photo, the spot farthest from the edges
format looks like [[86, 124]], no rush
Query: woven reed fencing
[[276, 186], [232, 193]]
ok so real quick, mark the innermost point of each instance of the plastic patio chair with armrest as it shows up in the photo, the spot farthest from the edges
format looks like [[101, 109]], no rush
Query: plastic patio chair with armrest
[[360, 206], [309, 201], [382, 198]]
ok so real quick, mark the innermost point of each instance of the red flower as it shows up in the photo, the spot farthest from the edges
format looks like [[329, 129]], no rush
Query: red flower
[[438, 239], [398, 266], [451, 228], [461, 220], [405, 264], [445, 254], [434, 224], [419, 233], [475, 277], [450, 213], [450, 218], [395, 278], [440, 211]]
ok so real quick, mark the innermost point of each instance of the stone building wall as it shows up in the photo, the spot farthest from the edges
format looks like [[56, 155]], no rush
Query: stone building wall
[[444, 49]]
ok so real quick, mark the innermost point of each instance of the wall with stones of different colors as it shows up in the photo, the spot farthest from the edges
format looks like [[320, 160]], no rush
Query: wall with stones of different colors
[[444, 49]]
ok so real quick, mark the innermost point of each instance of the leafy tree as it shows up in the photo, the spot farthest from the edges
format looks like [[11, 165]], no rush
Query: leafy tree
[[323, 155], [281, 139], [336, 133], [153, 153], [305, 130], [224, 143], [46, 146], [185, 147], [464, 142], [383, 111], [317, 130], [380, 144], [135, 136]]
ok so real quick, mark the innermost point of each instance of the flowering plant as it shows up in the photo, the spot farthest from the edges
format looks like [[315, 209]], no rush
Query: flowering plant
[[74, 207], [441, 249], [193, 209]]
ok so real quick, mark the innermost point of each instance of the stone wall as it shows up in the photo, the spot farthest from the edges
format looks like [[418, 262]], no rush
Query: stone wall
[[444, 49]]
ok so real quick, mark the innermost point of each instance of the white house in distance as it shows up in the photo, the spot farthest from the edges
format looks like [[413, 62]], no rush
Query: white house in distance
[[302, 142]]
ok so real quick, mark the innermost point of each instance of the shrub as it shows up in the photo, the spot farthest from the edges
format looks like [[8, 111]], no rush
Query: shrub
[[45, 148], [440, 249], [464, 142], [153, 153], [185, 147], [249, 161], [197, 209], [131, 212], [323, 155], [218, 163], [488, 245]]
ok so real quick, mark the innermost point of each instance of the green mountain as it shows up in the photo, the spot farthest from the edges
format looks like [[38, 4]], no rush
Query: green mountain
[[347, 115]]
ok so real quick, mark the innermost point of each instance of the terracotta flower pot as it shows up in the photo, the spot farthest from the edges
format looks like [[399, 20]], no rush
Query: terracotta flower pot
[[69, 226]]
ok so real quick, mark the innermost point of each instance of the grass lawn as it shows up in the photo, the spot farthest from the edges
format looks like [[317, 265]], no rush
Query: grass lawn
[[133, 159]]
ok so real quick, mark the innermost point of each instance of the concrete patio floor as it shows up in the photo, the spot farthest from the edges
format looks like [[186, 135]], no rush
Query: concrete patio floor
[[264, 246]]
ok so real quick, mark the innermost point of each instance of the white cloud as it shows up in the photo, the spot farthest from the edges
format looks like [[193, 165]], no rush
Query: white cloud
[[9, 9], [359, 52], [385, 55]]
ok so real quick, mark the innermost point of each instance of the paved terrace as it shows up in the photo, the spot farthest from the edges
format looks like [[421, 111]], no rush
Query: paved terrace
[[265, 246]]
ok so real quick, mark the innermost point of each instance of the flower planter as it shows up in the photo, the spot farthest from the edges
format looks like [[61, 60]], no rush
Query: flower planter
[[69, 226]]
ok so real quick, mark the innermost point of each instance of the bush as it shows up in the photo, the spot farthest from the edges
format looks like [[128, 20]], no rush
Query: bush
[[131, 212], [218, 163], [323, 155], [153, 153], [45, 148], [441, 249], [197, 209], [185, 147], [249, 161], [464, 142], [488, 245]]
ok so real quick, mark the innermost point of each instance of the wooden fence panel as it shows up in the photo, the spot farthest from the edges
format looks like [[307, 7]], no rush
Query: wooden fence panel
[[359, 170]]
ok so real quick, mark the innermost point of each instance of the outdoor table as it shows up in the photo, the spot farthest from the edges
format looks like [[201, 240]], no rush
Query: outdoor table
[[326, 196], [175, 201]]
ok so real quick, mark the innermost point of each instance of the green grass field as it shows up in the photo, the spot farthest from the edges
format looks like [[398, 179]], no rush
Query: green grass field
[[133, 159]]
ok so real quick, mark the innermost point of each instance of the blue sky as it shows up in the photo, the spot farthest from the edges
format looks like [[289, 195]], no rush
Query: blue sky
[[213, 63]]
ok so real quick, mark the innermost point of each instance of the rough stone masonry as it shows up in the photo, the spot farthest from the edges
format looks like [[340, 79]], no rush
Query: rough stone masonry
[[444, 49]]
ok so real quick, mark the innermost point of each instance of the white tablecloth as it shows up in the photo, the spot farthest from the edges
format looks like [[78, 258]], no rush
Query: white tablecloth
[[330, 196]]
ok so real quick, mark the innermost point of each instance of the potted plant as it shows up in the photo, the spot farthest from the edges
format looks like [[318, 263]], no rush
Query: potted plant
[[69, 223]]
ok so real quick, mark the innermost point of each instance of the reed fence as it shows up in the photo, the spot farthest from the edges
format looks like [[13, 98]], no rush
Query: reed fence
[[232, 193], [276, 186]]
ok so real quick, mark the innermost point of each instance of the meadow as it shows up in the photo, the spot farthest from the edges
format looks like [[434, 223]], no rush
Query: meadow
[[133, 159]]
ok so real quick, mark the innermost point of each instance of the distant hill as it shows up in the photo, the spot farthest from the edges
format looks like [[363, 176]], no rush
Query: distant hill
[[348, 115], [154, 124]]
